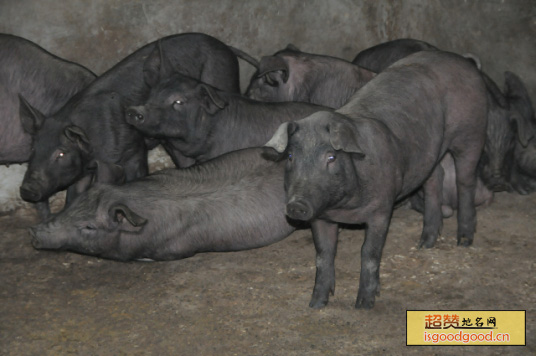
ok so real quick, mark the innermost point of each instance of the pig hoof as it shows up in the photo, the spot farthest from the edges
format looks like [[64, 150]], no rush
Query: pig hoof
[[363, 303], [465, 241], [427, 243], [317, 304]]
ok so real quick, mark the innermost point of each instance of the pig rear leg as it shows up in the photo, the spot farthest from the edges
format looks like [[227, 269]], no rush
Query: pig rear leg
[[371, 254], [466, 163], [325, 236], [432, 215]]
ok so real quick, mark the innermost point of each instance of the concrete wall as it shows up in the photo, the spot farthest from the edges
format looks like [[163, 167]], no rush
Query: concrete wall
[[99, 33]]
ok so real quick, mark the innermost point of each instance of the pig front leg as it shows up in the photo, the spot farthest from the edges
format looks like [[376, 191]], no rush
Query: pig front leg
[[325, 235], [43, 209], [371, 254], [433, 218]]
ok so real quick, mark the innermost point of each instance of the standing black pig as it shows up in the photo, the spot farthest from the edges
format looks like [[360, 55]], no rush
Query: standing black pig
[[498, 149], [197, 121], [351, 166], [90, 130], [292, 75], [523, 168], [449, 202], [235, 202], [43, 79]]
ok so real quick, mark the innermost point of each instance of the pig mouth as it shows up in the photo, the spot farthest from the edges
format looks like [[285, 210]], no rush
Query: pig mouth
[[497, 184], [299, 209], [41, 241]]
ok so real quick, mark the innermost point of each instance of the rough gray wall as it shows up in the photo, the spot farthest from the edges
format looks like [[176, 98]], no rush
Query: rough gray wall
[[99, 33]]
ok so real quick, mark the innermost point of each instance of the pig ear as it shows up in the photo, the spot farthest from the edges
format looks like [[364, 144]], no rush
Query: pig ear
[[31, 118], [156, 66], [107, 172], [292, 47], [523, 129], [212, 102], [274, 64], [495, 92], [276, 147], [474, 59], [343, 137], [513, 85], [127, 219], [77, 136], [279, 140]]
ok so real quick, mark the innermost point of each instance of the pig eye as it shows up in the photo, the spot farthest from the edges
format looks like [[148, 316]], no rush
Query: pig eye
[[60, 155], [176, 104], [331, 158], [88, 229]]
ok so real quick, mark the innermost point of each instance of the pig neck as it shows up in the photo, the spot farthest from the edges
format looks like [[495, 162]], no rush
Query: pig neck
[[334, 83], [241, 124], [379, 174], [246, 119]]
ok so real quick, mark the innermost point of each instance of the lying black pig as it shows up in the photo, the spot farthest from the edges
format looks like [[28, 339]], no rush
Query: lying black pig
[[353, 165], [378, 57], [197, 122], [234, 202]]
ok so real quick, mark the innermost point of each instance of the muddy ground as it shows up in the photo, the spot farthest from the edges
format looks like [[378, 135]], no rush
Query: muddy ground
[[256, 302]]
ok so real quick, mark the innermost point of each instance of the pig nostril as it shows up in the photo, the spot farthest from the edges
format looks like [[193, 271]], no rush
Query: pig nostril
[[29, 195], [135, 116], [299, 211]]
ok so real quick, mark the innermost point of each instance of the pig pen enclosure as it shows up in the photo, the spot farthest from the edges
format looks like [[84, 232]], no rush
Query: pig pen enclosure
[[256, 302]]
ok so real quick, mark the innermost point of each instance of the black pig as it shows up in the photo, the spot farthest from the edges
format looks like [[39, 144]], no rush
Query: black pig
[[45, 80], [90, 130], [523, 169], [353, 165], [292, 75], [197, 121], [498, 149], [235, 202], [379, 57]]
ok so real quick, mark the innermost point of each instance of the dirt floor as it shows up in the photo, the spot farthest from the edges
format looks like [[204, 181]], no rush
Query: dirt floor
[[256, 302]]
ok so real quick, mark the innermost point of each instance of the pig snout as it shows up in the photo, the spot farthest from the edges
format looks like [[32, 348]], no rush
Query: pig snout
[[36, 242], [497, 182], [30, 192], [299, 209], [134, 116]]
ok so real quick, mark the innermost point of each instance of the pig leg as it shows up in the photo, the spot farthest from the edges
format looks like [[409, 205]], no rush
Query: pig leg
[[136, 168], [43, 209], [371, 254], [466, 162], [325, 236], [433, 217]]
